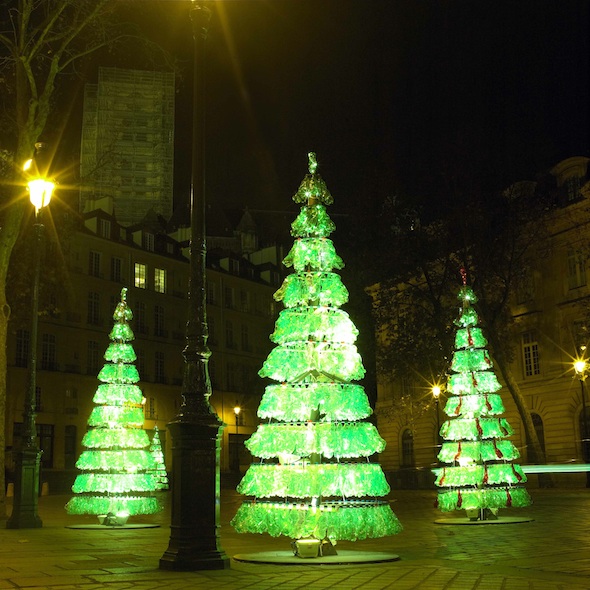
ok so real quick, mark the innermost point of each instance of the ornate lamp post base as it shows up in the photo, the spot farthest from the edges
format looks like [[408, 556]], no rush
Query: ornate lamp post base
[[195, 478], [26, 491]]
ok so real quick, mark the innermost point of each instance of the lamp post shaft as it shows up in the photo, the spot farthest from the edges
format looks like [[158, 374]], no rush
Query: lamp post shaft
[[28, 456], [585, 441], [196, 431]]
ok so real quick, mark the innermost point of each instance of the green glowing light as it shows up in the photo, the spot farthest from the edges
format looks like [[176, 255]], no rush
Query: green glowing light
[[315, 446], [477, 454], [116, 466]]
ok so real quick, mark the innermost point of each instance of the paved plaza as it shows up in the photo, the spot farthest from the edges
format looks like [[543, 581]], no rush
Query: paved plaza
[[550, 552]]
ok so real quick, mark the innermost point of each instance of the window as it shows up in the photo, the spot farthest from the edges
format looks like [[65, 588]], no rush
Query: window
[[229, 334], [576, 270], [140, 318], [408, 459], [234, 266], [572, 187], [159, 373], [148, 241], [140, 275], [245, 301], [104, 228], [150, 408], [530, 354], [94, 263], [92, 358], [245, 338], [22, 348], [160, 280], [159, 321], [212, 293], [93, 316], [525, 286], [584, 430], [48, 353], [228, 297], [116, 266]]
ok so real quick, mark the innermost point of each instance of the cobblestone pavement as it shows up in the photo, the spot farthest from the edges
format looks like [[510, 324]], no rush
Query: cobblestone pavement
[[550, 552]]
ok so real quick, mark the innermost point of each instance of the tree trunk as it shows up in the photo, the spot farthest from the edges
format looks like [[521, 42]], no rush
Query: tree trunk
[[535, 453]]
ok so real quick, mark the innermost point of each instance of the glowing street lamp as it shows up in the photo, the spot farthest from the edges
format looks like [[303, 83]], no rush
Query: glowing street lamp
[[28, 456], [237, 411], [581, 368], [196, 431]]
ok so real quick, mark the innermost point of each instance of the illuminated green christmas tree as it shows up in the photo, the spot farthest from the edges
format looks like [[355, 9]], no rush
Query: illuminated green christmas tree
[[116, 467], [480, 475], [315, 478], [159, 471]]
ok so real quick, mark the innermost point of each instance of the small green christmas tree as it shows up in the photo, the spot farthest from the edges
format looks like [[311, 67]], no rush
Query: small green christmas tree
[[159, 471], [315, 479], [481, 476], [117, 464]]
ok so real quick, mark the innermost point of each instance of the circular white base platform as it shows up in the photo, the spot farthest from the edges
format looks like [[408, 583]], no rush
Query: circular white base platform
[[102, 527], [343, 558], [500, 520]]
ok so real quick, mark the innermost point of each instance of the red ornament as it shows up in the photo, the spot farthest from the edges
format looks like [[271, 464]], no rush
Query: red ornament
[[478, 426], [458, 454], [498, 451], [459, 499], [518, 476]]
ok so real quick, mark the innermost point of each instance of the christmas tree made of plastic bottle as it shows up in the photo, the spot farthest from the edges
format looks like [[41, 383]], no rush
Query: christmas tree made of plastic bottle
[[159, 471], [116, 465], [315, 479], [480, 476]]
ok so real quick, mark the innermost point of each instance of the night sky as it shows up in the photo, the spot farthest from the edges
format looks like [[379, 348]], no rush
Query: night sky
[[411, 97], [417, 98]]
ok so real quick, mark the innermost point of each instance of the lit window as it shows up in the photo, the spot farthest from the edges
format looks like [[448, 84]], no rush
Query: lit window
[[160, 280], [530, 354], [140, 275]]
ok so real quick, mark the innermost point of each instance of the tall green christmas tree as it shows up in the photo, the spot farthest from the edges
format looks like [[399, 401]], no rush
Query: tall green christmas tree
[[116, 467], [159, 471], [315, 478], [480, 475]]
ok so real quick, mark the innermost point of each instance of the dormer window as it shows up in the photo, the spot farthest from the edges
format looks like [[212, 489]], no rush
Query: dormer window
[[148, 241]]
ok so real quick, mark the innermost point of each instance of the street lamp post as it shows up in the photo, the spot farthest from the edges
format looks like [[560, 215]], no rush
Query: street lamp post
[[28, 456], [436, 395], [580, 367], [196, 431]]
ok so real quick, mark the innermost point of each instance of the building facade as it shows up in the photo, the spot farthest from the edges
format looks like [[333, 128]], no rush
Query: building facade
[[103, 256], [551, 313], [127, 148]]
